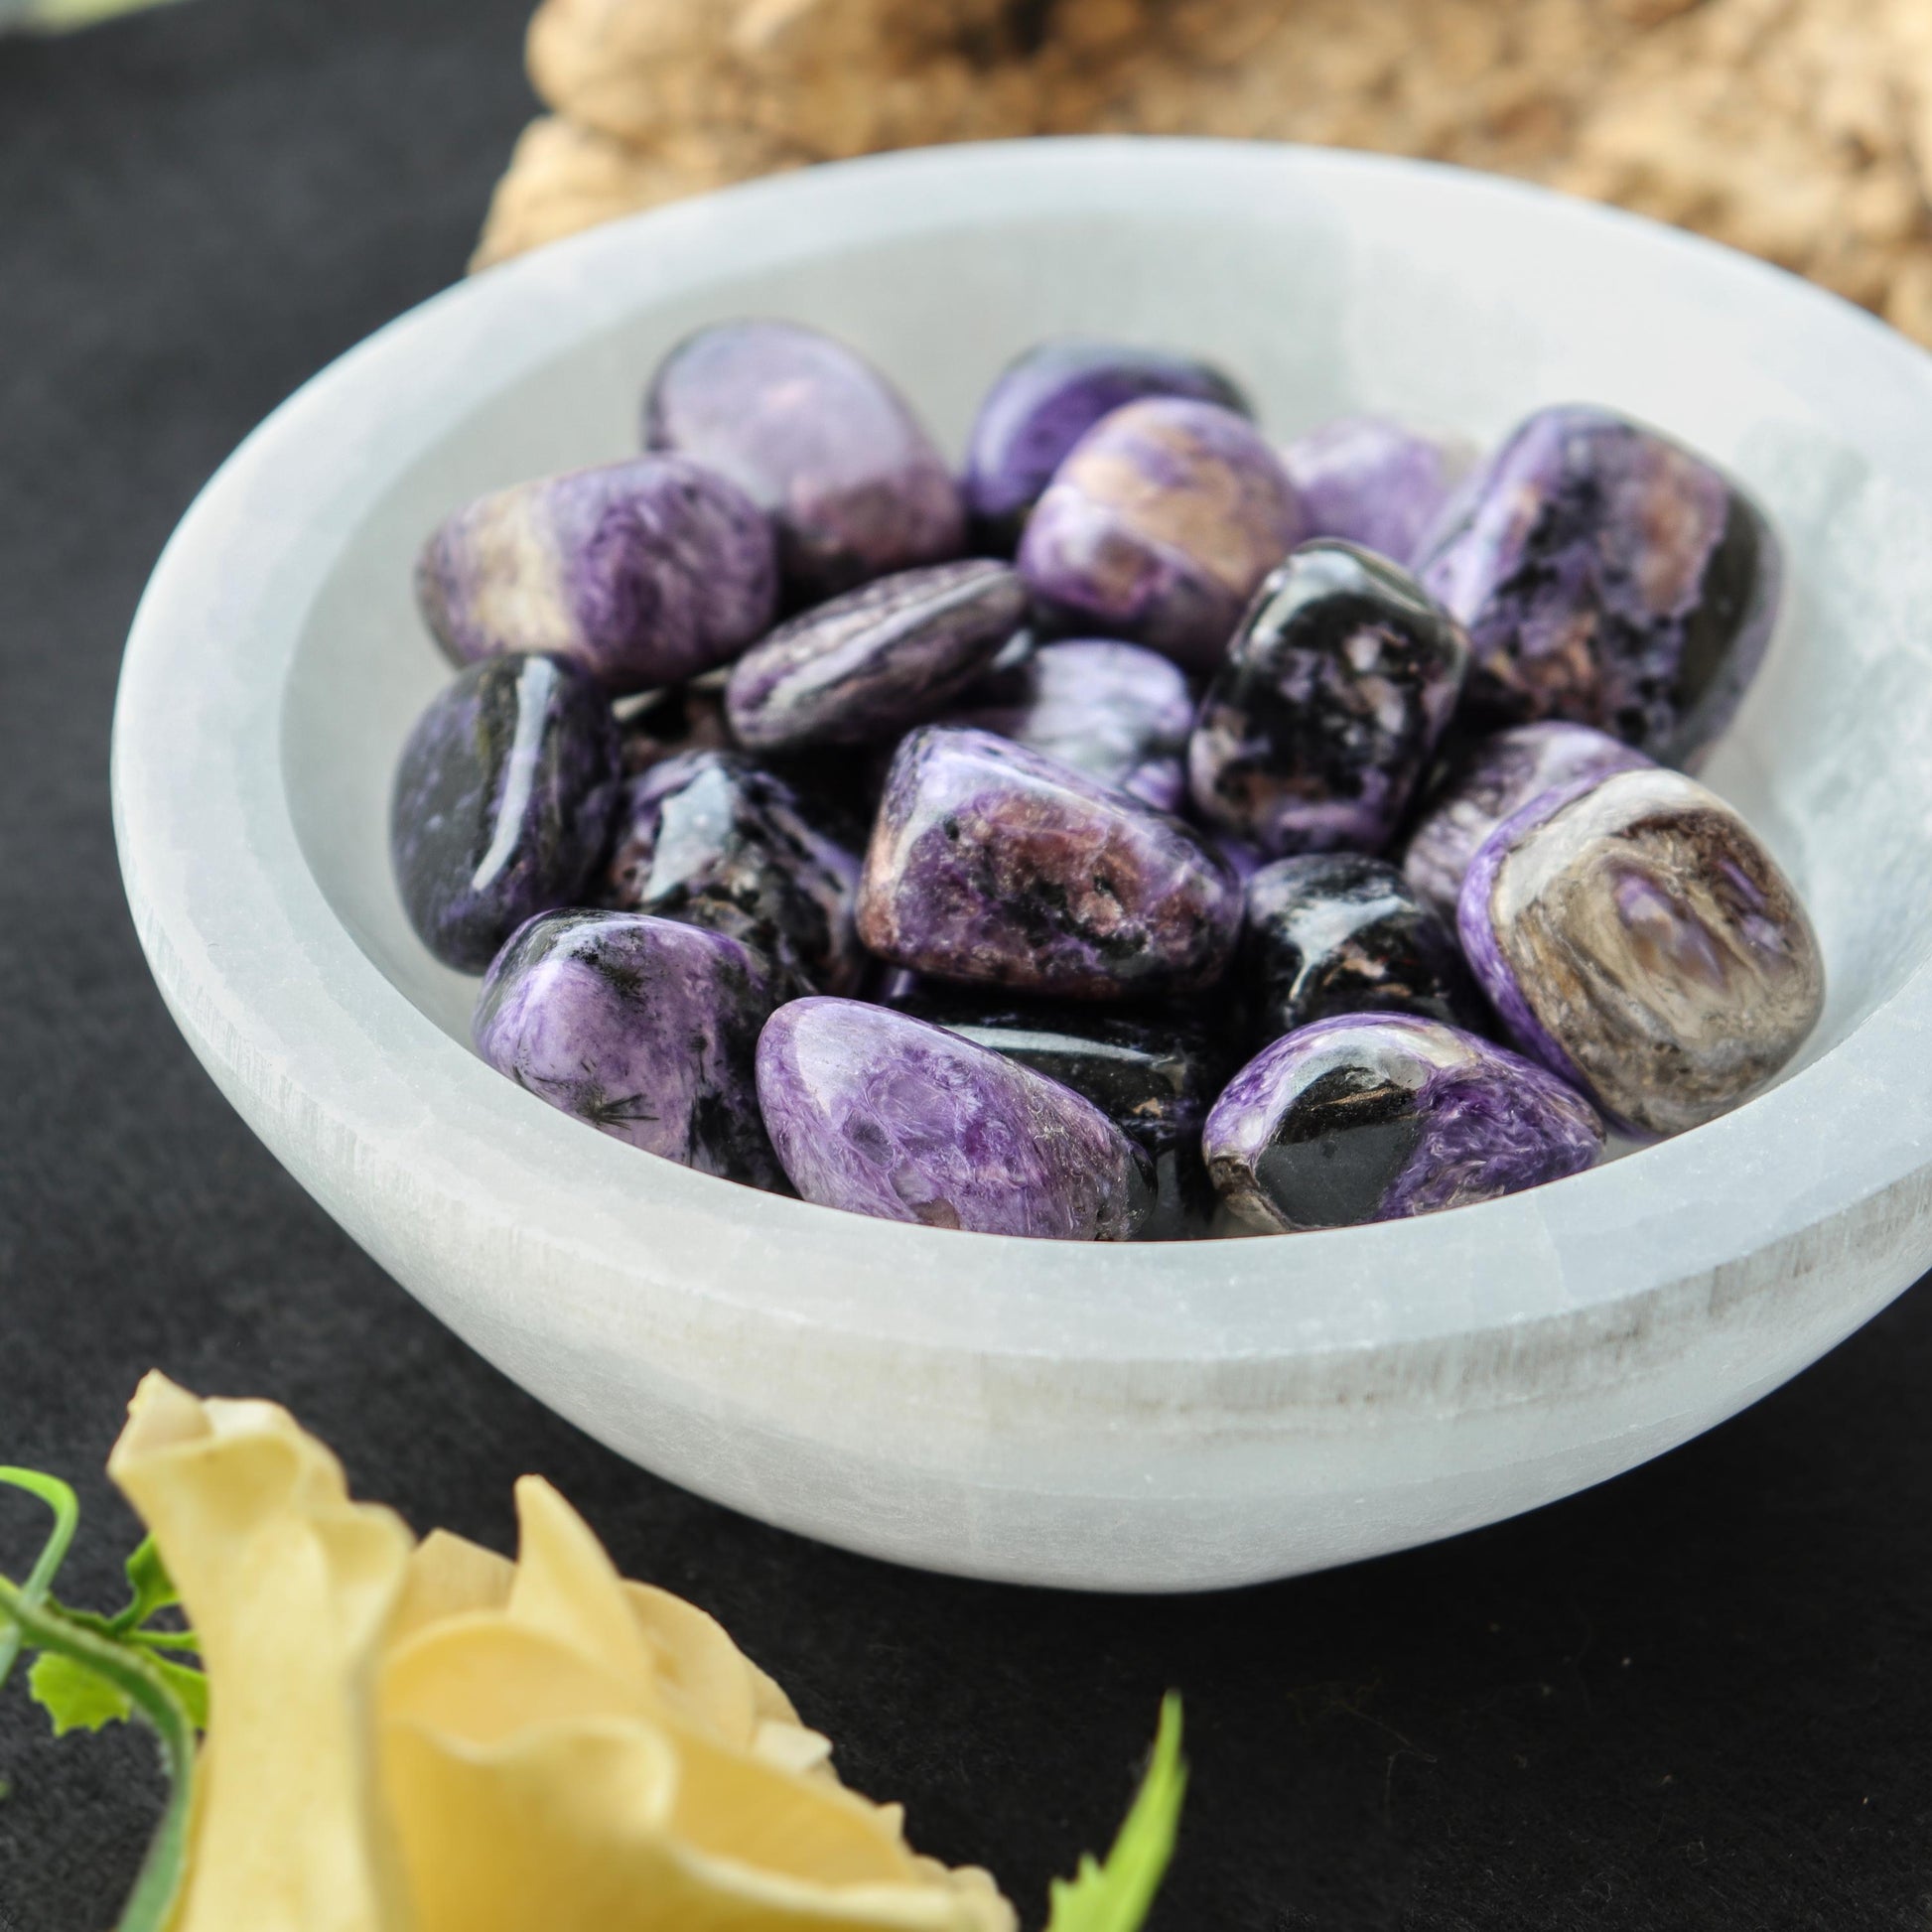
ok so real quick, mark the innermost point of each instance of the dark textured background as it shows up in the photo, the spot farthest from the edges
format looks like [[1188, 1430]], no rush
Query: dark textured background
[[1700, 1697]]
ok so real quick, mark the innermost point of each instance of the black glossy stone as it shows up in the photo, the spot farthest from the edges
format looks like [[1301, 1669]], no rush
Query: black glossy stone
[[503, 803], [1331, 932]]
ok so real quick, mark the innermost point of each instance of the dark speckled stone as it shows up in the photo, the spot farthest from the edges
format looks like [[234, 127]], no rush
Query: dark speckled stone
[[1637, 938], [1045, 400], [643, 1027], [1333, 932], [1317, 730], [994, 864], [502, 802], [1153, 1073], [1374, 482], [658, 725], [641, 573], [1607, 576], [1159, 527], [868, 665], [709, 838], [1375, 1118], [882, 1114], [818, 437]]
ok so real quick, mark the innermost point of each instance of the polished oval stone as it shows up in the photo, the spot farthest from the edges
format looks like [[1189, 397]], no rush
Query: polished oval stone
[[1637, 938], [1378, 1117], [657, 725], [994, 864], [1488, 782], [1045, 400], [643, 1027], [1608, 577], [868, 665], [1371, 481], [1317, 730], [882, 1114], [641, 573], [709, 838], [817, 438], [502, 802], [1113, 710], [1159, 527], [1332, 932], [1154, 1072]]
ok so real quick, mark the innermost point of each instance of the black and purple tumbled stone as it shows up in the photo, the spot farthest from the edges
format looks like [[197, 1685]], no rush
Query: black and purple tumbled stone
[[868, 665], [819, 439], [1608, 575], [1637, 937], [1372, 481], [709, 838], [1159, 527], [1332, 932], [643, 1027], [1045, 400], [1489, 780], [1115, 711], [503, 802], [657, 725], [1317, 731], [993, 864], [878, 1113], [641, 573], [1378, 1117]]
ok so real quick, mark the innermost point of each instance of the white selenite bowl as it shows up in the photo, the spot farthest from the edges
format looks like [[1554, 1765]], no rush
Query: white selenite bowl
[[1147, 1418]]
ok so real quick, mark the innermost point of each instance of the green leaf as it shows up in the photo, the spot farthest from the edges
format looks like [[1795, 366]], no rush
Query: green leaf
[[1116, 1897], [75, 1697], [154, 1589], [187, 1685]]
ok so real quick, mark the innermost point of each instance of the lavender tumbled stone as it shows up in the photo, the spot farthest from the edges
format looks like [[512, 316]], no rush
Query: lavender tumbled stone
[[881, 1114], [1371, 481], [1612, 578], [866, 665], [503, 802], [819, 440], [993, 864], [641, 573], [1045, 400], [1638, 938], [1158, 527], [709, 838], [1113, 710], [643, 1027], [1375, 1118], [1489, 781], [1317, 731]]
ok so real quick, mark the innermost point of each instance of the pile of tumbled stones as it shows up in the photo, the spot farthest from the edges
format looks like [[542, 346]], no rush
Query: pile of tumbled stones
[[1147, 832]]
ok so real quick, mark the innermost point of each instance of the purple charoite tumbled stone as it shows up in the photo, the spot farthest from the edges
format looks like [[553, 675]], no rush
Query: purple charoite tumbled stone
[[1045, 400], [1378, 1117], [1374, 482], [1160, 526], [990, 863], [1636, 936], [503, 802], [1317, 729], [820, 440], [1113, 710], [866, 665], [641, 573], [1492, 780], [709, 838], [881, 1114], [1607, 576], [643, 1027]]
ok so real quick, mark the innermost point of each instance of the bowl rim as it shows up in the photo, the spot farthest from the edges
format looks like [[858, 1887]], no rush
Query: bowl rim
[[304, 1031]]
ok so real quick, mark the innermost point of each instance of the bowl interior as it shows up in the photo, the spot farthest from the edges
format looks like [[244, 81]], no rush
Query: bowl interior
[[1450, 300]]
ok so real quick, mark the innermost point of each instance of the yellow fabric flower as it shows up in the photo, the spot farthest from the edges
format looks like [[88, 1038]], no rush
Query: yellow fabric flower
[[425, 1738]]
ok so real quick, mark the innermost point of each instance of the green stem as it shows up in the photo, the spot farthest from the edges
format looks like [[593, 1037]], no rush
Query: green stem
[[152, 1901], [66, 1506]]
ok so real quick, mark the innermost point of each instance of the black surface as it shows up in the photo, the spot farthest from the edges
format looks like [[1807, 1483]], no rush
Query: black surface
[[1700, 1697]]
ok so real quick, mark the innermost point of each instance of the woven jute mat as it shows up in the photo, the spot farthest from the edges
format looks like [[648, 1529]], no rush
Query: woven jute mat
[[1800, 130]]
